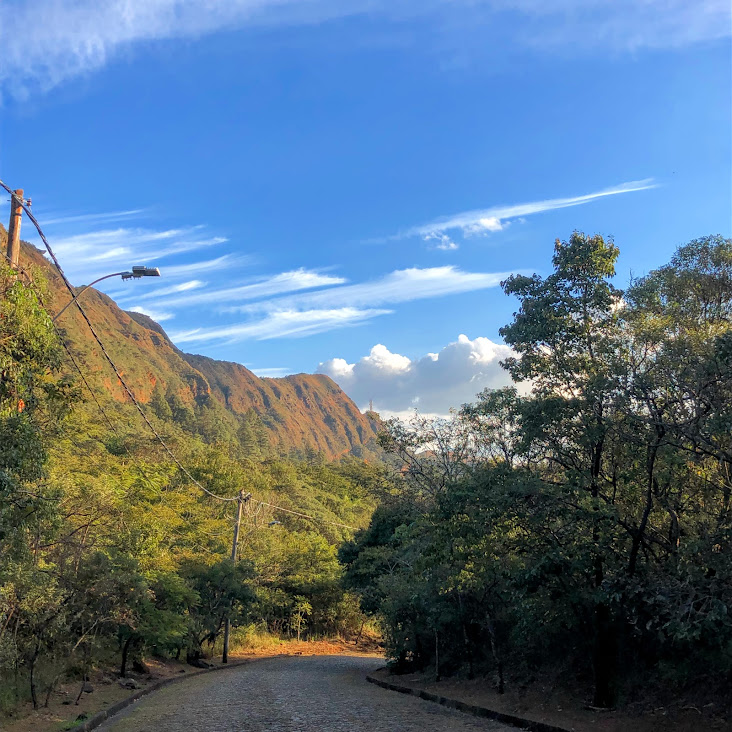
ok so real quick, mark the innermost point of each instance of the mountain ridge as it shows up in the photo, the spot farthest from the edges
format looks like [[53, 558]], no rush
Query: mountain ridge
[[300, 412]]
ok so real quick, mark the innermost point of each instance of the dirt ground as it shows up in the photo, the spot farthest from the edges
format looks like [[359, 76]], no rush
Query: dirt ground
[[62, 712], [544, 702]]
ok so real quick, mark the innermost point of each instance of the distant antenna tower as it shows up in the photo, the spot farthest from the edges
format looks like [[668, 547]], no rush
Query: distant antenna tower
[[371, 405]]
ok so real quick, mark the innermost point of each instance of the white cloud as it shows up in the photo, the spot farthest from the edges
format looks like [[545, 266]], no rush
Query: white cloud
[[620, 25], [49, 41], [444, 242], [403, 285], [173, 289], [495, 218], [433, 383], [274, 372], [157, 315], [227, 261], [486, 224], [92, 254], [299, 279], [92, 218], [285, 323]]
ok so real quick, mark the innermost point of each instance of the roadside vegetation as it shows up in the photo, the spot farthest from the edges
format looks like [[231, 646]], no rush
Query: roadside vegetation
[[109, 555], [581, 521]]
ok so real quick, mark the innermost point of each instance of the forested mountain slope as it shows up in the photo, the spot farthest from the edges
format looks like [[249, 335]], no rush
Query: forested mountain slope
[[297, 413]]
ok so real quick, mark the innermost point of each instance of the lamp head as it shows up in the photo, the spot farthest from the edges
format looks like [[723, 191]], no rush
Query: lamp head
[[141, 271]]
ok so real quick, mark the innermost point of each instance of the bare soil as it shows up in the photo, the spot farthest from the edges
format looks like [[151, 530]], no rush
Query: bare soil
[[545, 701], [62, 712]]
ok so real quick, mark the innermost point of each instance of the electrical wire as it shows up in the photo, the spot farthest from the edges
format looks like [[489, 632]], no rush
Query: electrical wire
[[127, 389], [62, 341], [304, 515]]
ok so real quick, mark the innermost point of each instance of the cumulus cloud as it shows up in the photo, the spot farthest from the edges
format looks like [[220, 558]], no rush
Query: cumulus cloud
[[433, 384]]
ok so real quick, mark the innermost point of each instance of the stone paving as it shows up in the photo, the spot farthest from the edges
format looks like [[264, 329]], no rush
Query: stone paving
[[292, 694]]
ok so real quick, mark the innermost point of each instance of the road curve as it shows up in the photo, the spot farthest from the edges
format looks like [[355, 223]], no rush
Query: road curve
[[291, 694]]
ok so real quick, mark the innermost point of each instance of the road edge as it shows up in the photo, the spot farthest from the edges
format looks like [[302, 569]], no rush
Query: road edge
[[474, 709], [105, 714]]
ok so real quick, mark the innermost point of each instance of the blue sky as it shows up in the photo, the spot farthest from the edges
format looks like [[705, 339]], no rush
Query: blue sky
[[342, 185]]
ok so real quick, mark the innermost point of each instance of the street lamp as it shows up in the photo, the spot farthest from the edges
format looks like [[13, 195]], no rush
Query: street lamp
[[137, 272]]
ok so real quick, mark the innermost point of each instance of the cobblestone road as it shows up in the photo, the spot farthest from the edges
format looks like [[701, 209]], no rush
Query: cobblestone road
[[293, 694]]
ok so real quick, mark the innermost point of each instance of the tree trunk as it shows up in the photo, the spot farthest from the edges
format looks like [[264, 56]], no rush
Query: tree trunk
[[437, 656], [604, 642], [638, 538], [50, 689], [32, 670], [81, 690], [358, 638], [496, 656], [604, 660], [125, 651]]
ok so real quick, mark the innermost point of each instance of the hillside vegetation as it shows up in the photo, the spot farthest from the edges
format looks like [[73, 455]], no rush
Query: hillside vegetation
[[582, 529], [109, 552], [296, 413], [580, 522]]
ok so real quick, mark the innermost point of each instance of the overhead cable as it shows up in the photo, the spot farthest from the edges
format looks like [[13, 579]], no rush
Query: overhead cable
[[127, 389]]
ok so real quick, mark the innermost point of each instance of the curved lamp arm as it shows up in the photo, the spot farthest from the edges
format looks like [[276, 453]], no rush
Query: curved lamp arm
[[137, 272]]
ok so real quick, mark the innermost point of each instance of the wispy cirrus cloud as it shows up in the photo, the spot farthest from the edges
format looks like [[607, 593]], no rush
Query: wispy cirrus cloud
[[399, 286], [158, 316], [496, 218], [49, 41], [172, 290], [91, 254], [441, 241], [105, 244], [281, 324], [299, 279], [226, 261], [92, 218], [308, 313], [273, 372], [335, 305]]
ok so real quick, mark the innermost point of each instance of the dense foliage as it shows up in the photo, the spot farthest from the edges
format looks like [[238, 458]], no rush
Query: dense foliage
[[109, 553], [584, 517]]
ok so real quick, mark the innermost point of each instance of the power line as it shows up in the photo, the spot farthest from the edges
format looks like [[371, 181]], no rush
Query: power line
[[62, 341], [127, 389], [304, 515]]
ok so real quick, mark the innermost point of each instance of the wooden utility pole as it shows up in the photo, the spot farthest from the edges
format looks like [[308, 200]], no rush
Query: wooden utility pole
[[234, 545], [16, 213]]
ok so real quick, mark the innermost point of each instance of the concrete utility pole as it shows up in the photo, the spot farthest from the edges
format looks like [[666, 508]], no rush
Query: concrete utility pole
[[234, 546], [16, 213]]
